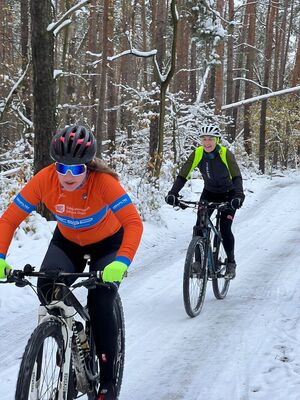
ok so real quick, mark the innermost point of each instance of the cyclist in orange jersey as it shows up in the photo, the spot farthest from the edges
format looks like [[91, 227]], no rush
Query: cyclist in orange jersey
[[95, 217]]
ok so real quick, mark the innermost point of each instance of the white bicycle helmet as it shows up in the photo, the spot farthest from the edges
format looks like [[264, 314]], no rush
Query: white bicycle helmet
[[210, 130]]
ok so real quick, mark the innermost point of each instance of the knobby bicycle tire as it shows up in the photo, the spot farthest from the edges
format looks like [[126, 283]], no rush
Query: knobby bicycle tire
[[42, 362], [195, 277], [219, 283], [93, 368], [120, 357]]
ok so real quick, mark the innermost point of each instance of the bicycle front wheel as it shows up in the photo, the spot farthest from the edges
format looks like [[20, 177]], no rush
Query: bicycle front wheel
[[219, 283], [40, 371], [195, 277]]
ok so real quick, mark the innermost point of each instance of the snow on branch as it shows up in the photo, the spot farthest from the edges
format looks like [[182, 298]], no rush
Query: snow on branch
[[254, 83], [134, 52], [22, 117], [6, 102], [55, 27], [202, 85], [61, 26], [166, 78], [152, 53], [262, 97], [10, 172]]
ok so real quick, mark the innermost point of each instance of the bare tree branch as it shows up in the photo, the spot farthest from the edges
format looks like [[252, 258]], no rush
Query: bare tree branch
[[262, 97], [55, 25], [6, 102]]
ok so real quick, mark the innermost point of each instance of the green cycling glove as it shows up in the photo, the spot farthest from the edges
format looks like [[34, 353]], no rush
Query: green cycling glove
[[114, 272], [3, 267]]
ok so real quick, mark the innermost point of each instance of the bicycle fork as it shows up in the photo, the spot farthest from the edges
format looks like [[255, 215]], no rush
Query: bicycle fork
[[67, 334]]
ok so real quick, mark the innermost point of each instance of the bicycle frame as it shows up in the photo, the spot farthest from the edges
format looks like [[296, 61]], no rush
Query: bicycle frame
[[212, 249], [208, 227]]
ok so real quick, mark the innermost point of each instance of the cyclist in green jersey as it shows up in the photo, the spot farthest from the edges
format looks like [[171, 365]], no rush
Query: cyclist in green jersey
[[222, 183]]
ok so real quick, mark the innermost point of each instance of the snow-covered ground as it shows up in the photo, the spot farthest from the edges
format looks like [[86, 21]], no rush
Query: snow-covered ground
[[245, 347]]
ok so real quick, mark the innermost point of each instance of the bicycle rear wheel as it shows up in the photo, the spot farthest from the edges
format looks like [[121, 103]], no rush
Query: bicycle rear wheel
[[219, 283], [120, 357], [195, 277], [40, 372]]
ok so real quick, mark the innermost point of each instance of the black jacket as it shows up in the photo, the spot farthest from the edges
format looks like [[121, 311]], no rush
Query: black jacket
[[219, 170]]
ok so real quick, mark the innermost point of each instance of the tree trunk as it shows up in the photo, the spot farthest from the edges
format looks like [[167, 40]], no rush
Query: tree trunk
[[25, 57], [193, 72], [111, 84], [296, 69], [158, 30], [219, 68], [268, 55], [145, 43], [42, 43], [101, 128], [239, 66], [284, 43], [126, 67], [277, 42], [182, 59], [65, 49], [250, 60], [92, 47], [229, 80], [163, 90]]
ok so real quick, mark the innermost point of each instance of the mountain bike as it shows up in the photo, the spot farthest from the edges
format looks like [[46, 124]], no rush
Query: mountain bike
[[60, 360], [205, 258]]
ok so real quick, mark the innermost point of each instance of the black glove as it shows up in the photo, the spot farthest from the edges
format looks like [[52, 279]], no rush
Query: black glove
[[172, 199], [236, 202]]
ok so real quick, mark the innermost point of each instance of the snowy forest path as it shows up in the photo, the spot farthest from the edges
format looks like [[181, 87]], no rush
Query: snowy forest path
[[245, 347]]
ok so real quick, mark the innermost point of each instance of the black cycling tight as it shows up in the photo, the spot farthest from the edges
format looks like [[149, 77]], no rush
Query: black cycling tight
[[226, 220]]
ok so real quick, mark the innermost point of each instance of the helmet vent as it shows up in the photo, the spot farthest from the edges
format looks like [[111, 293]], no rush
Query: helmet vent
[[73, 145]]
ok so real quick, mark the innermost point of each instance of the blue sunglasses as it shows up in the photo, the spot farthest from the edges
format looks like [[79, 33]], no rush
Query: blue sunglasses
[[76, 170]]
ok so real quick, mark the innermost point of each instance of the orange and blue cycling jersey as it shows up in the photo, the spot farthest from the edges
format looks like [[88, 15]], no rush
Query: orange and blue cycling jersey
[[91, 213]]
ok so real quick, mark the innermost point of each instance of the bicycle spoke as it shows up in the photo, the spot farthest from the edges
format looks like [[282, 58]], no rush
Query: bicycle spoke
[[50, 371]]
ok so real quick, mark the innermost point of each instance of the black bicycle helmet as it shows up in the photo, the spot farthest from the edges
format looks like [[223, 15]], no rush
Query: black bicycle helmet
[[73, 145], [210, 130]]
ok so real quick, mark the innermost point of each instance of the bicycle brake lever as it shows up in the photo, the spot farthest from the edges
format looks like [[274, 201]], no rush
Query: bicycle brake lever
[[88, 283]]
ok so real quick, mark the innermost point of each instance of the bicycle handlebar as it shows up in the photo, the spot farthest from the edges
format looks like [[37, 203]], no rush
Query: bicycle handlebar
[[195, 204], [18, 276]]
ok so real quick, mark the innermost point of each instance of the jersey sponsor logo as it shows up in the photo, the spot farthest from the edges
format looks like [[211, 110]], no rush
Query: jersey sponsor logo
[[120, 203], [64, 208], [78, 223], [24, 204], [60, 208]]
